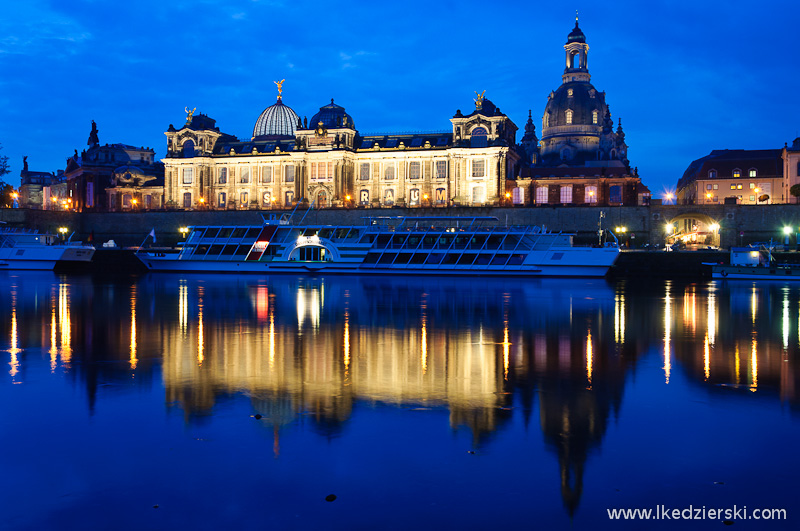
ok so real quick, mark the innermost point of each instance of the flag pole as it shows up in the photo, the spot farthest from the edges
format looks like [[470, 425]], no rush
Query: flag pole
[[152, 231]]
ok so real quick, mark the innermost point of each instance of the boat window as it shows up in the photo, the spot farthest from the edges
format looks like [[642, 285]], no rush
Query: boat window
[[229, 250], [494, 242], [467, 259], [353, 235], [499, 260], [398, 240], [195, 235], [413, 241], [214, 251], [444, 241], [516, 259], [383, 240], [239, 232], [253, 232], [200, 251], [461, 241], [418, 258], [477, 241], [403, 258], [211, 232], [368, 238], [434, 258], [511, 242], [483, 259], [325, 233], [310, 232], [371, 258], [187, 251], [387, 258], [543, 243], [225, 232], [340, 233], [526, 244], [450, 259], [429, 241]]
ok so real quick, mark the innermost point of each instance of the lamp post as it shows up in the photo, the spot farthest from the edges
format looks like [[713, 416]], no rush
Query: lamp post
[[202, 202], [133, 204], [183, 231], [669, 228], [508, 198], [786, 232], [668, 197], [63, 232]]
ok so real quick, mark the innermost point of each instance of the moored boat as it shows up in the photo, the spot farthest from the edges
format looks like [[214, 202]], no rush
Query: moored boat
[[754, 263], [393, 245], [23, 249]]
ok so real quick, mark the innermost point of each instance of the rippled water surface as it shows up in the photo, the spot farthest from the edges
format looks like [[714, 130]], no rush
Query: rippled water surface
[[225, 402]]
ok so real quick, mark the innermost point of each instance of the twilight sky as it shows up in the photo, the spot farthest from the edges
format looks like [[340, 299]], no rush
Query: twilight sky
[[685, 76]]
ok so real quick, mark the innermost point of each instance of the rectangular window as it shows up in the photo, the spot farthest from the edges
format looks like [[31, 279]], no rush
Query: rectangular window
[[440, 196], [221, 200], [90, 194], [737, 174], [266, 198], [708, 187], [187, 175], [615, 194], [752, 186], [478, 169], [223, 176], [266, 174], [289, 174], [566, 194], [388, 172], [716, 187], [518, 195], [187, 200], [738, 186], [441, 169], [716, 199], [243, 199], [752, 198], [289, 196], [541, 195], [752, 174], [244, 175], [413, 170], [590, 193], [329, 176], [364, 172], [363, 197], [733, 187]]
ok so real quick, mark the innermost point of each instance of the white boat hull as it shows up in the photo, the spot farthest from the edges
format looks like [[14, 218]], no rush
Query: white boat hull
[[728, 272]]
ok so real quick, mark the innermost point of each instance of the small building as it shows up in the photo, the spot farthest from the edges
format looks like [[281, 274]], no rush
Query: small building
[[34, 188], [791, 170], [747, 177]]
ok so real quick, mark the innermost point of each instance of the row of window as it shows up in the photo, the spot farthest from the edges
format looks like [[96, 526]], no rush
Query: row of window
[[565, 194], [415, 170], [715, 199], [737, 173], [415, 196], [568, 114], [244, 175], [734, 186], [244, 199]]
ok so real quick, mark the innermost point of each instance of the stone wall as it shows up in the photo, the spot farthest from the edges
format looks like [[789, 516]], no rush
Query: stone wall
[[645, 224]]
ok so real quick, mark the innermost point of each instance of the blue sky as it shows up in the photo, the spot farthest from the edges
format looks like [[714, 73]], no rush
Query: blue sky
[[686, 77]]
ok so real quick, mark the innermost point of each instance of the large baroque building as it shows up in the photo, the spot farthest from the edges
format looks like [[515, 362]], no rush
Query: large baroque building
[[580, 158]]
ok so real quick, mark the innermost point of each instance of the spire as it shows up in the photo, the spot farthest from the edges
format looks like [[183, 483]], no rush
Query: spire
[[620, 132]]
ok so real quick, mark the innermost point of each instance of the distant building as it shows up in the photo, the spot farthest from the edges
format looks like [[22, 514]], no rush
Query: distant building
[[90, 174], [580, 158], [34, 188], [748, 177], [791, 169]]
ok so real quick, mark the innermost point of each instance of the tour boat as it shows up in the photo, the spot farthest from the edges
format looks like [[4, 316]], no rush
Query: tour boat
[[385, 245], [31, 250], [754, 263]]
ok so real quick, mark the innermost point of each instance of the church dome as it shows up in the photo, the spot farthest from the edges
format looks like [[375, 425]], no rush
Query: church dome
[[577, 104], [277, 120], [332, 116], [576, 35]]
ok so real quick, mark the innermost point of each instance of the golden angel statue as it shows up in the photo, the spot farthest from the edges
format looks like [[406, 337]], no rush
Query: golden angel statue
[[280, 87], [479, 99], [189, 114]]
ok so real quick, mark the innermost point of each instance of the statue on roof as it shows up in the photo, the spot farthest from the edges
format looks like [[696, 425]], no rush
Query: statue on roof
[[189, 114], [479, 100], [93, 138], [25, 163], [280, 87]]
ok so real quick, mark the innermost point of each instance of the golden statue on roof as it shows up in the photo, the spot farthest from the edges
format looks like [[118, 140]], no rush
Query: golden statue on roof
[[189, 114], [479, 99], [280, 87]]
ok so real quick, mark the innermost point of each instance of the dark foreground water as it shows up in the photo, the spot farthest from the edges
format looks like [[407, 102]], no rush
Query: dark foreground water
[[223, 402]]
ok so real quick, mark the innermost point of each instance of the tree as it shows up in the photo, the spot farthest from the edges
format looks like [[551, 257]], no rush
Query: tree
[[4, 169], [6, 200], [795, 190]]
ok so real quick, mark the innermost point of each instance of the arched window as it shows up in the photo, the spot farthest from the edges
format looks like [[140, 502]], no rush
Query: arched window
[[712, 174], [188, 149], [569, 116], [575, 60], [594, 117], [478, 137]]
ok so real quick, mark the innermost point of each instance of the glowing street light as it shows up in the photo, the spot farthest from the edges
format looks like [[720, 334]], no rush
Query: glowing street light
[[787, 230], [183, 231], [63, 232]]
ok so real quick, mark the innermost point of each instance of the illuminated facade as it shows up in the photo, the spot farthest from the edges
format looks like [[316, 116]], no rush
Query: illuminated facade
[[791, 170], [747, 177], [328, 162]]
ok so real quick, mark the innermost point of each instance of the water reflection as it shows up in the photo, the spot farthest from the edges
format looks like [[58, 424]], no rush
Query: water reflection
[[484, 350]]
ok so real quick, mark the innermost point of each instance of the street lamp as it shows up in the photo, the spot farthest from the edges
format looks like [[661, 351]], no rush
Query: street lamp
[[63, 231], [183, 231], [133, 203], [202, 201], [786, 232]]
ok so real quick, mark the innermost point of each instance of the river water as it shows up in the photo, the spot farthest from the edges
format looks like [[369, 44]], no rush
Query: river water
[[226, 402]]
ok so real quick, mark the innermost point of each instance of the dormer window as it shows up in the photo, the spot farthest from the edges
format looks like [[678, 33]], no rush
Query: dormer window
[[569, 116], [753, 173], [712, 174], [737, 173]]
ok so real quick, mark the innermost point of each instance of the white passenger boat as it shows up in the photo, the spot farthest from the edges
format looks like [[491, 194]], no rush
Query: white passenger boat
[[754, 263], [385, 245], [31, 250]]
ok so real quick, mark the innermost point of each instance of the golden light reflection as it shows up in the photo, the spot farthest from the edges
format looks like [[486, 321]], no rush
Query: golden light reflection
[[183, 306], [690, 309], [271, 339], [133, 359], [65, 321], [53, 336], [619, 318], [14, 350], [667, 334], [589, 356], [506, 349], [753, 300], [737, 365], [785, 320], [707, 357], [200, 333], [754, 366], [712, 318], [309, 305], [346, 341]]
